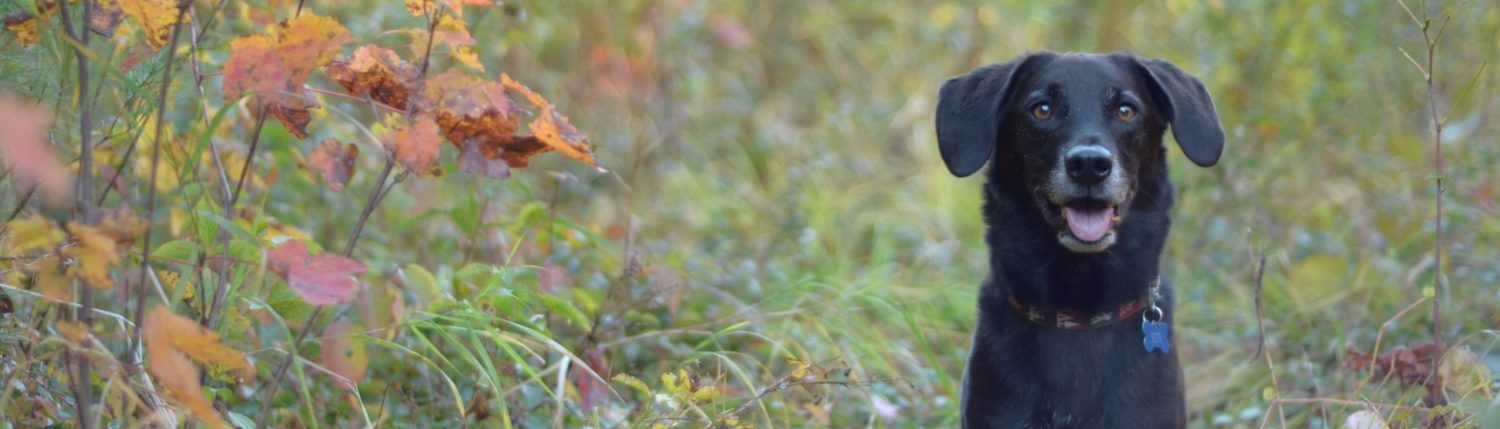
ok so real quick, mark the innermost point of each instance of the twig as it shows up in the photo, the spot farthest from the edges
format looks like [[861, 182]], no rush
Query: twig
[[22, 204], [1260, 271], [82, 376], [1260, 315], [364, 216], [161, 114], [1430, 43]]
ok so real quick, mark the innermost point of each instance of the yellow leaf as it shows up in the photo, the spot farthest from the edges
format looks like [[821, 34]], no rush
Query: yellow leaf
[[51, 278], [633, 382], [27, 31], [73, 331], [33, 233], [706, 394], [155, 17], [95, 253], [171, 341]]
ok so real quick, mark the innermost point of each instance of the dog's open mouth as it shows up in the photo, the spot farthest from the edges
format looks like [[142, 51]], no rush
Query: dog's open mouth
[[1088, 224]]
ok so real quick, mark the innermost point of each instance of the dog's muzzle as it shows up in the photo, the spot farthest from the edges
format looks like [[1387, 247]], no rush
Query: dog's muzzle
[[1083, 198]]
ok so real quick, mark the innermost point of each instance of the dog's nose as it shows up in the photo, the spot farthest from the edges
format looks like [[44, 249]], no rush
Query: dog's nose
[[1088, 165]]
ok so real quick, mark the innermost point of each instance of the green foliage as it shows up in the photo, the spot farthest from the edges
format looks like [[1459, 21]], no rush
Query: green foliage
[[776, 243]]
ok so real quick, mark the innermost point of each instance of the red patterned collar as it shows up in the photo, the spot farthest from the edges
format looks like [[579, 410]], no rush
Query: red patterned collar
[[1078, 320]]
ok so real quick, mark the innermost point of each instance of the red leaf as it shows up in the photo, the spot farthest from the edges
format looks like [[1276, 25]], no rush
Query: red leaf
[[334, 163], [320, 280]]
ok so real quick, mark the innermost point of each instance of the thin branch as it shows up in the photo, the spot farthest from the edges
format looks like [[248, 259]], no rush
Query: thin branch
[[161, 117], [82, 374]]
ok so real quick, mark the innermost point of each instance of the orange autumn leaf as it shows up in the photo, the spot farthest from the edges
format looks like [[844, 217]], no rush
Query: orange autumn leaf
[[415, 146], [334, 162], [554, 129], [155, 17], [275, 66], [378, 72], [173, 343], [466, 107], [27, 152], [344, 353]]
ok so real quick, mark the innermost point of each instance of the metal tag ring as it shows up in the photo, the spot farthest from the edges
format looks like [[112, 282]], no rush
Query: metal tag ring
[[1160, 315]]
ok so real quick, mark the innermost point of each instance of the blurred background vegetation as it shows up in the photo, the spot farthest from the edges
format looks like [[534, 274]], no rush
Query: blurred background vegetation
[[777, 227]]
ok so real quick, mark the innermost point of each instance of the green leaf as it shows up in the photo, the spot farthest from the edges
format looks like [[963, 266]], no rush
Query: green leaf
[[424, 283], [566, 309], [177, 250]]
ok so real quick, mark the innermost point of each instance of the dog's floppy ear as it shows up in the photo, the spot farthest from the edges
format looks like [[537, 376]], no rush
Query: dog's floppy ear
[[1189, 109], [968, 115]]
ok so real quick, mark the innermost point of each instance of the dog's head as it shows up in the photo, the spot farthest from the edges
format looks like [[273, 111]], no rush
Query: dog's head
[[1078, 130]]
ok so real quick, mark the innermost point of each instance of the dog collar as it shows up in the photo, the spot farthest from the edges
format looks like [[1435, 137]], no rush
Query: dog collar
[[1078, 320]]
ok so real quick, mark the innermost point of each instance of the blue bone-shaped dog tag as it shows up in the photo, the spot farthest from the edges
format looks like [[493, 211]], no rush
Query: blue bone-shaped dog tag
[[1156, 336]]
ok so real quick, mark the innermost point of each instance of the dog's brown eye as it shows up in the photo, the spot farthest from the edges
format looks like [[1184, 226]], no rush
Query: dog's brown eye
[[1126, 112], [1042, 111]]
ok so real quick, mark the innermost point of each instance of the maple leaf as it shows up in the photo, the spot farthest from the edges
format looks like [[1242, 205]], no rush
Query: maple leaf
[[344, 353], [415, 146], [467, 107], [320, 280], [452, 33], [275, 66], [334, 162], [26, 151], [172, 344], [554, 129], [155, 17], [378, 72]]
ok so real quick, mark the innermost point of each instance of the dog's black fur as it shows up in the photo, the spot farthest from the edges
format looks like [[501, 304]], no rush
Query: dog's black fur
[[1024, 375]]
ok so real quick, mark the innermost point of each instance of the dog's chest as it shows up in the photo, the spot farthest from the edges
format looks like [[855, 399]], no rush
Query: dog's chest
[[1050, 378]]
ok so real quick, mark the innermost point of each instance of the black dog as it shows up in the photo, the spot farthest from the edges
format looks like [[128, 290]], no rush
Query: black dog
[[1073, 320]]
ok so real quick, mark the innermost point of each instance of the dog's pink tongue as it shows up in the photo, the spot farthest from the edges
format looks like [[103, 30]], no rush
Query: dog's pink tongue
[[1087, 225]]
